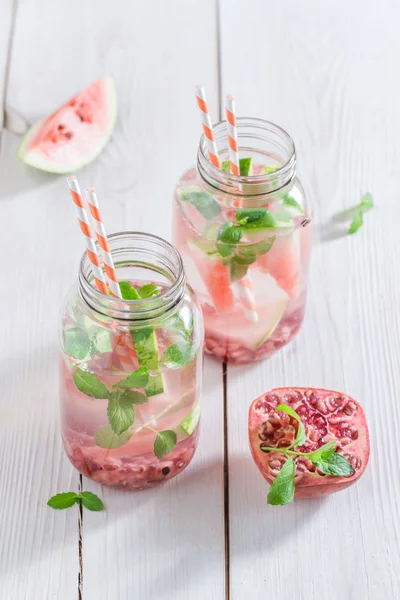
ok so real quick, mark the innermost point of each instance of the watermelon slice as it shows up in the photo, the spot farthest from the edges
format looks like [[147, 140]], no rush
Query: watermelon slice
[[282, 261], [72, 136]]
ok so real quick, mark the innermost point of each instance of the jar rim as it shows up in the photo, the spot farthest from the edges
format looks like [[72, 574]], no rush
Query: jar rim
[[143, 309], [255, 185]]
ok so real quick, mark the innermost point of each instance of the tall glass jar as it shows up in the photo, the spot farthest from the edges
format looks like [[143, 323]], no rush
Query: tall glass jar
[[245, 241], [131, 370]]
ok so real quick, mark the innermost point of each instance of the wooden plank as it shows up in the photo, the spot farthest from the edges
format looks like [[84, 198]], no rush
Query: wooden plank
[[325, 72], [168, 542]]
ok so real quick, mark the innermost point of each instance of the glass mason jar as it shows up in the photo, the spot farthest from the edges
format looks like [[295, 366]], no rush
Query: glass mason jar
[[245, 241], [131, 370]]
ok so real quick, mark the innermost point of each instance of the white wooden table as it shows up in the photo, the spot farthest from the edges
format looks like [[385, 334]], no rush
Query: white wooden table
[[327, 72]]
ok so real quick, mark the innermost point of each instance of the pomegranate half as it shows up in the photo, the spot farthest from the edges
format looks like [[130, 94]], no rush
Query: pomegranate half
[[326, 416]]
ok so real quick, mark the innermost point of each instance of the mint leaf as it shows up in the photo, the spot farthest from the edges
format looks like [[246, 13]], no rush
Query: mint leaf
[[164, 443], [270, 168], [255, 218], [128, 291], [149, 290], [137, 379], [203, 202], [236, 270], [290, 202], [228, 236], [91, 501], [88, 384], [356, 222], [190, 422], [64, 500], [334, 464], [106, 438], [367, 202], [328, 448], [301, 434], [121, 414], [179, 355], [248, 259], [76, 342], [131, 396], [282, 488], [261, 247]]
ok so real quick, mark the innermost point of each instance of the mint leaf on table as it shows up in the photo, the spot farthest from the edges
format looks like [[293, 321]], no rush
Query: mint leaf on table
[[244, 166], [282, 488], [64, 500], [76, 342], [149, 290], [91, 501], [137, 379], [334, 464], [190, 422], [203, 202], [68, 499], [88, 384], [356, 223], [106, 438], [179, 355], [164, 443], [128, 291], [301, 434], [120, 412], [228, 236]]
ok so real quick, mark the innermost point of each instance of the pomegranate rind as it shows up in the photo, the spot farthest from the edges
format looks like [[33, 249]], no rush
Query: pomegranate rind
[[310, 484], [46, 148]]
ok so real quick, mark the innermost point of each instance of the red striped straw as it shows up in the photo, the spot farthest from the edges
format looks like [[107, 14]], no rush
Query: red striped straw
[[207, 126], [100, 230], [232, 135], [87, 234]]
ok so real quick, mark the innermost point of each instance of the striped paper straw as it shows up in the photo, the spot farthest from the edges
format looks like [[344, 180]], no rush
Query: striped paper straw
[[207, 126], [232, 135], [100, 230], [87, 234]]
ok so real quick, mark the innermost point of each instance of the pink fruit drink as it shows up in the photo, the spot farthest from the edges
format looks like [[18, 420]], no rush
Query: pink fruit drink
[[130, 388], [245, 242]]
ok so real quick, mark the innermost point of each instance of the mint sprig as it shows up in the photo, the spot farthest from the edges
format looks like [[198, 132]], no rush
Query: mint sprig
[[76, 342], [106, 438], [325, 458], [88, 384], [138, 379], [68, 499], [149, 290], [203, 202], [356, 213], [179, 355], [164, 443]]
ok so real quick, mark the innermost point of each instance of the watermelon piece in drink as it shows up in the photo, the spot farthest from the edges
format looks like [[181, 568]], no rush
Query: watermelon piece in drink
[[74, 134], [283, 262]]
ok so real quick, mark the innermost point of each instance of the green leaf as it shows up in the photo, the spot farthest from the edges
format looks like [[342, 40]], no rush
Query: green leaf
[[91, 501], [367, 202], [205, 204], [356, 222], [244, 166], [149, 290], [301, 434], [164, 443], [228, 236], [128, 291], [121, 414], [236, 270], [76, 342], [190, 422], [261, 247], [255, 218], [106, 438], [248, 259], [88, 384], [290, 202], [64, 500], [131, 396], [328, 448], [334, 464], [282, 488], [270, 168], [137, 379], [179, 355]]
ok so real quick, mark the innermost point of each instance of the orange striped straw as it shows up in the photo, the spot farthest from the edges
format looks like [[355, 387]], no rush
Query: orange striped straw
[[87, 234], [232, 135], [100, 230], [207, 126]]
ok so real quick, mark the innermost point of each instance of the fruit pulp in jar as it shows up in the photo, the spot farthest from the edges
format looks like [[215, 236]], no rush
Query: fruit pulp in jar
[[270, 262], [163, 436]]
